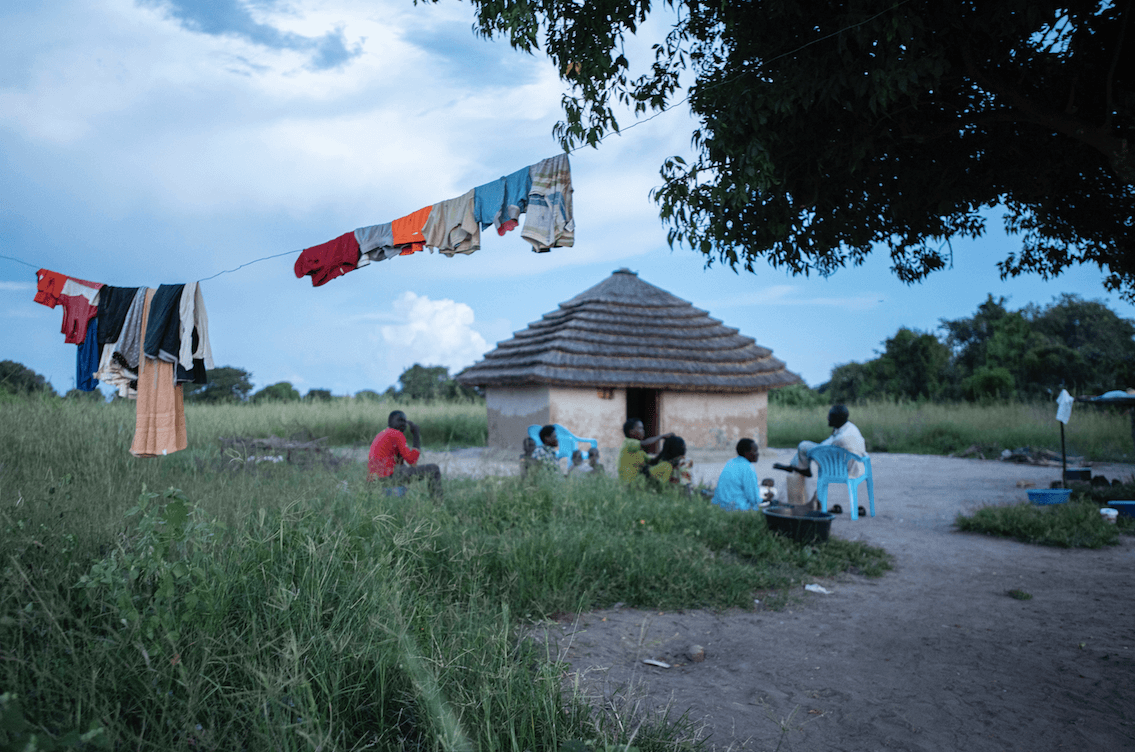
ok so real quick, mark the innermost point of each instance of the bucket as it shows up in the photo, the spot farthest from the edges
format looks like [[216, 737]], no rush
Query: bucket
[[1109, 515]]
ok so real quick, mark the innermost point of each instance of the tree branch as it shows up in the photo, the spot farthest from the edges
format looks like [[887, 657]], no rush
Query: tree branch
[[1098, 137]]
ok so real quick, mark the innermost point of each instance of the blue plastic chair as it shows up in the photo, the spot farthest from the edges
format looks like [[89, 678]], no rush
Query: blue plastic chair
[[833, 462], [569, 442]]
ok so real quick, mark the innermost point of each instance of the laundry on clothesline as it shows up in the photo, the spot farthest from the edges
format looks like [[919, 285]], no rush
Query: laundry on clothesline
[[121, 334], [146, 343], [541, 192]]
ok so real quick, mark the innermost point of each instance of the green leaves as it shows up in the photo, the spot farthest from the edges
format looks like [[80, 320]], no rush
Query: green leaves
[[161, 581], [18, 735], [829, 129]]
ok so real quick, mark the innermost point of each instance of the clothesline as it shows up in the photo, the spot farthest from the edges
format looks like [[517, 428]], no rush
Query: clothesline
[[554, 226], [148, 342], [542, 192]]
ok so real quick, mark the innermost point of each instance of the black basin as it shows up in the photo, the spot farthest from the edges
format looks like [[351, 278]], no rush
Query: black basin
[[799, 524]]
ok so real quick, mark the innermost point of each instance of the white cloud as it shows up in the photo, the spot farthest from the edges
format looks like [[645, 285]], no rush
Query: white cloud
[[16, 286], [432, 332]]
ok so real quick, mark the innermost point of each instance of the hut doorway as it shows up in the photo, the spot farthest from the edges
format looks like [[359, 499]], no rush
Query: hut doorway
[[643, 404]]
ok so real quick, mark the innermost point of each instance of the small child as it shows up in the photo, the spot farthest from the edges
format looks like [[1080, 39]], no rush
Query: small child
[[593, 460], [577, 467], [526, 459], [768, 491]]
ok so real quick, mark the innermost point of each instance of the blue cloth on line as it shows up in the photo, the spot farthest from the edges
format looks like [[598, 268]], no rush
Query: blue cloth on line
[[87, 359]]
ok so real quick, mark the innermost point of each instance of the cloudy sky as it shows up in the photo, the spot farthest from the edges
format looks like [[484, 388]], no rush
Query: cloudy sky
[[162, 141]]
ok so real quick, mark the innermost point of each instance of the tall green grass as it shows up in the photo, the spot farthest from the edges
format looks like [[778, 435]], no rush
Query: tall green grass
[[928, 428], [444, 425], [268, 606]]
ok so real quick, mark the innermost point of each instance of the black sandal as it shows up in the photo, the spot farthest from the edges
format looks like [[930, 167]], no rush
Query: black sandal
[[837, 509]]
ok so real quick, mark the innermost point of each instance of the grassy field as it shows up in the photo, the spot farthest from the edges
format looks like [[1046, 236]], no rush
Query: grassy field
[[926, 428], [199, 601], [346, 422]]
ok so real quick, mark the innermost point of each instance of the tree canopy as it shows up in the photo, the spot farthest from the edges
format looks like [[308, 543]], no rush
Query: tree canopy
[[430, 383], [226, 384], [16, 378], [281, 391], [828, 128], [1076, 344]]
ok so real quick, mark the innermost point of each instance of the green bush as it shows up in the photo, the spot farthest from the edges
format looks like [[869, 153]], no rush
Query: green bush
[[797, 395], [282, 391], [1076, 524]]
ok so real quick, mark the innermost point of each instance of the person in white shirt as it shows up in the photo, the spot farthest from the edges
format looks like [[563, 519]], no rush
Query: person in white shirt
[[844, 434]]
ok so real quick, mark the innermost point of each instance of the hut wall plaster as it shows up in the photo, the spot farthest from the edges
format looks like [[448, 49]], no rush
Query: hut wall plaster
[[714, 420], [511, 410], [591, 413]]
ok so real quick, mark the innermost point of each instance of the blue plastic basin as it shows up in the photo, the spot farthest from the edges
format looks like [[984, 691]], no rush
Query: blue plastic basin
[[1126, 508], [1049, 495]]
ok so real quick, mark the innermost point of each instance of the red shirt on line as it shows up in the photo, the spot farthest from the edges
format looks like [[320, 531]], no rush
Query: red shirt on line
[[387, 450]]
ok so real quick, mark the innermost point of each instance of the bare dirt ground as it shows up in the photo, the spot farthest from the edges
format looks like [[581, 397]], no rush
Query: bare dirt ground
[[934, 655]]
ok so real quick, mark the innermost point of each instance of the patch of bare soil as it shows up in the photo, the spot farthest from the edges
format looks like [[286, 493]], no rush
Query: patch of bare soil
[[934, 655]]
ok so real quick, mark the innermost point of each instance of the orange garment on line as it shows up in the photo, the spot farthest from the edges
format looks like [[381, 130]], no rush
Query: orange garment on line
[[159, 426], [407, 231], [49, 285]]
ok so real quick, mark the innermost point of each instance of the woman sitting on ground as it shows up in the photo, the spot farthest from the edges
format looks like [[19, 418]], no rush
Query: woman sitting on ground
[[671, 467]]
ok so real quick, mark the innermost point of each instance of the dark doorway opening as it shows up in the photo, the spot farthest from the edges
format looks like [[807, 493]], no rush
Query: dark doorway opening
[[643, 404]]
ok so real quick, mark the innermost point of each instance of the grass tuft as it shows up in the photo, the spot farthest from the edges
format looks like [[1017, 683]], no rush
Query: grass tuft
[[1075, 524]]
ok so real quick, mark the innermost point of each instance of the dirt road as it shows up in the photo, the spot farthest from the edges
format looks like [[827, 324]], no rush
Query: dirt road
[[932, 656]]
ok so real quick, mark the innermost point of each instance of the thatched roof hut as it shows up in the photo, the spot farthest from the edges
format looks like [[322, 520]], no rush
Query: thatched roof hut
[[627, 348]]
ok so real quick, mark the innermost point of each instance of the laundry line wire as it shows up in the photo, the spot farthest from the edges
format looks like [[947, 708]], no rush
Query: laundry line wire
[[204, 279], [18, 261], [254, 261]]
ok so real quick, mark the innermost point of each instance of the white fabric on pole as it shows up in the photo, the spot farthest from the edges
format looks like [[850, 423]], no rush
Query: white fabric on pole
[[1064, 406]]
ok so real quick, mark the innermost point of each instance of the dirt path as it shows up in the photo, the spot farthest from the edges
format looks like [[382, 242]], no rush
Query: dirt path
[[932, 656]]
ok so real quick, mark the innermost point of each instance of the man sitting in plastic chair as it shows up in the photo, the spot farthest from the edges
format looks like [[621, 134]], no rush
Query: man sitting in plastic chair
[[844, 434]]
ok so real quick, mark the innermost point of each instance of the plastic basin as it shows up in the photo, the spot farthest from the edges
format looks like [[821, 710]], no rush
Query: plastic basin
[[1125, 508], [800, 525], [1049, 495]]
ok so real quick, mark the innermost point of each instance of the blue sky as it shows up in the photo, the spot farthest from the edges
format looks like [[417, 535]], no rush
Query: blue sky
[[163, 141]]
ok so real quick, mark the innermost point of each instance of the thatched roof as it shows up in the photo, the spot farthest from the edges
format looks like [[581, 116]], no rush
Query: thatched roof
[[624, 332]]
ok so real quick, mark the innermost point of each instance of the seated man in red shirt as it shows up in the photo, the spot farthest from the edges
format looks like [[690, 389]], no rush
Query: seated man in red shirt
[[391, 458]]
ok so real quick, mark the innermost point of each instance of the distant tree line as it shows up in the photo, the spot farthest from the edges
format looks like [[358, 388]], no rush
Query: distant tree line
[[418, 382], [229, 384], [16, 379], [1033, 352]]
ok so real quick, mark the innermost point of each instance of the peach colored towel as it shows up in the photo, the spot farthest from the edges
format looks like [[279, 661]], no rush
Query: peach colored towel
[[159, 427]]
